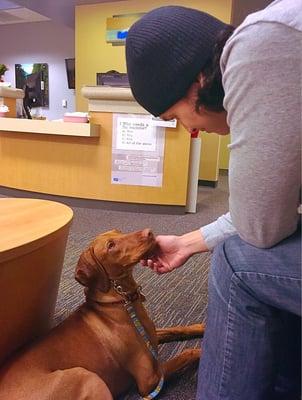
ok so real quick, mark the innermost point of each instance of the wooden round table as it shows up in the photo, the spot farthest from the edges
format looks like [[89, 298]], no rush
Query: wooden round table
[[33, 236]]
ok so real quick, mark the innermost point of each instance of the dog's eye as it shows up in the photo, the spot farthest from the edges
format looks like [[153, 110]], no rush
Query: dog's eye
[[110, 245]]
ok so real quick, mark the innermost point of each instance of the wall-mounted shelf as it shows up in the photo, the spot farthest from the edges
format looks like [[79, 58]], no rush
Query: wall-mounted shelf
[[49, 127]]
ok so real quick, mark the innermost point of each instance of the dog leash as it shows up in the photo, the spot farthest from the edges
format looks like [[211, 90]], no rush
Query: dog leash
[[127, 302], [142, 332], [140, 329]]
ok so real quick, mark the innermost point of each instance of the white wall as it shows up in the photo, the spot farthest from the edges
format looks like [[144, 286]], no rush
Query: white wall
[[41, 42], [242, 8]]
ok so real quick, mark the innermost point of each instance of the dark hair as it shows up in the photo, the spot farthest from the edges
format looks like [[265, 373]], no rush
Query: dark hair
[[211, 94]]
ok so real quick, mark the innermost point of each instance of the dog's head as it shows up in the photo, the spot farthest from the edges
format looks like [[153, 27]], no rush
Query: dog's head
[[110, 254]]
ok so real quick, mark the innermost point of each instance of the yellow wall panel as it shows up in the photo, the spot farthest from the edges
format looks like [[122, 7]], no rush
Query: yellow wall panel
[[208, 169], [224, 153], [94, 54]]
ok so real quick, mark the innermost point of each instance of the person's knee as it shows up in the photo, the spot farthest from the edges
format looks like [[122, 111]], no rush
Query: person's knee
[[222, 254], [238, 256], [221, 272], [282, 259], [229, 258]]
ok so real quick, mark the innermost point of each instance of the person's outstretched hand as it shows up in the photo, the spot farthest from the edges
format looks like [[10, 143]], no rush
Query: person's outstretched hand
[[173, 251]]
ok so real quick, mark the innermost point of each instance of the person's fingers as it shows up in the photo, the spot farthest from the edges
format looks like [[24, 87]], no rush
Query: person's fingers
[[163, 269], [156, 265], [150, 263], [159, 269]]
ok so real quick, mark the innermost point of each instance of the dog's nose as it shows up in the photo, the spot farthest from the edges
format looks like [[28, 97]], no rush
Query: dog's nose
[[147, 233]]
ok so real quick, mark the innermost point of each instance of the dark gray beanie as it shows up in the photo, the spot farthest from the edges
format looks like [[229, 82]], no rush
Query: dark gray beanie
[[166, 49]]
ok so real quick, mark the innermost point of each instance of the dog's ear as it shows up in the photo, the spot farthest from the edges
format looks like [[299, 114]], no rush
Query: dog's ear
[[85, 270], [113, 231], [90, 272]]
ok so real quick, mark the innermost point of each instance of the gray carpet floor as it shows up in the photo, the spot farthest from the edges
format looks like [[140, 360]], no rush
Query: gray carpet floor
[[179, 297]]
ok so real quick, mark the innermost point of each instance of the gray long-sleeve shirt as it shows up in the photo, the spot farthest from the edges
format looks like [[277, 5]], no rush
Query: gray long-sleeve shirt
[[262, 71]]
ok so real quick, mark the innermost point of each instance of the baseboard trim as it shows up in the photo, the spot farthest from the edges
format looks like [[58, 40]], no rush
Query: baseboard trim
[[202, 182], [96, 204]]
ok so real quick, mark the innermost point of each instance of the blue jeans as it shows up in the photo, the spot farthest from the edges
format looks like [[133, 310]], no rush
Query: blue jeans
[[251, 348]]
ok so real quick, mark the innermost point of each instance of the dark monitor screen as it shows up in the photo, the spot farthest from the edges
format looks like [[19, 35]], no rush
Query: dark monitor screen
[[70, 71], [115, 79]]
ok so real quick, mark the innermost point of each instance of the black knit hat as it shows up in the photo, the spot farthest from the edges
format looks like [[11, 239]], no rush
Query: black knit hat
[[166, 49]]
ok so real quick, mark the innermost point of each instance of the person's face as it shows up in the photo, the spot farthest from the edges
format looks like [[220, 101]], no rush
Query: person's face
[[184, 111]]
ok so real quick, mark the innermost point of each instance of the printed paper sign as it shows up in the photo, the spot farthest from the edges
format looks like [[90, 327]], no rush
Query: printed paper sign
[[137, 151], [135, 134]]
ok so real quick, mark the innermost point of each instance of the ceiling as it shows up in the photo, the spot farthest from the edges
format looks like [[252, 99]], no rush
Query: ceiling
[[61, 11]]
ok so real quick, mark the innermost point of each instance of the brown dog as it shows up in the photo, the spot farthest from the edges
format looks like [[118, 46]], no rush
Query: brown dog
[[109, 343]]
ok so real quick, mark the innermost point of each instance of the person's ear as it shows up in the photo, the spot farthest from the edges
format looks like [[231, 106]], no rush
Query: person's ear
[[202, 110], [191, 95], [200, 79]]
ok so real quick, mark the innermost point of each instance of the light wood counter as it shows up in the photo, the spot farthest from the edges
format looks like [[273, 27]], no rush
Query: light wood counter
[[32, 247], [81, 166], [48, 127]]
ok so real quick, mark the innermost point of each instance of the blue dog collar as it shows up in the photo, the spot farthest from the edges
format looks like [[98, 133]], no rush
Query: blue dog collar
[[156, 391]]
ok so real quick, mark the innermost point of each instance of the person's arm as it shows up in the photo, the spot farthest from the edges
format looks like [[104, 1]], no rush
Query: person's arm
[[218, 231], [193, 242], [262, 80]]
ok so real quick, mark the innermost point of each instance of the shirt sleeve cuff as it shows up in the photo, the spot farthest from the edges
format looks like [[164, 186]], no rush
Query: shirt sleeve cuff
[[218, 231]]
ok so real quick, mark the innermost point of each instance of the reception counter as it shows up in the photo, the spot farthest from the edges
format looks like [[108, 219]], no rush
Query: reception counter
[[80, 165]]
